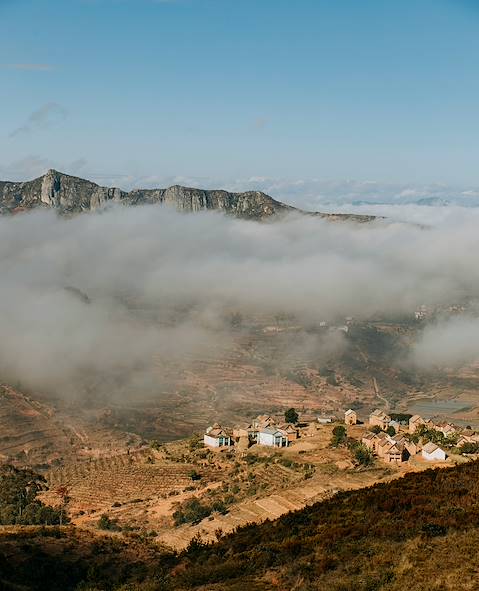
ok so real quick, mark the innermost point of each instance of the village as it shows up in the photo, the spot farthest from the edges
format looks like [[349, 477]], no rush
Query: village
[[392, 439], [225, 477]]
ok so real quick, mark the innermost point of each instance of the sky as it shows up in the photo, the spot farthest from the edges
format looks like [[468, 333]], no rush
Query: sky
[[333, 98]]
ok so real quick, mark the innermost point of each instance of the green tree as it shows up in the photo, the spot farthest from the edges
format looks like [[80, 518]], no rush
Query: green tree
[[339, 435], [469, 448], [331, 380], [18, 498], [291, 416], [362, 454]]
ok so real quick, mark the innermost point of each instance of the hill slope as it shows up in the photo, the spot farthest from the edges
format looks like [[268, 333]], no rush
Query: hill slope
[[419, 532], [68, 195]]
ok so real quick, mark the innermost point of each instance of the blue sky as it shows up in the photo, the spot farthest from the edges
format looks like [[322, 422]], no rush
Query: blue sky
[[216, 90]]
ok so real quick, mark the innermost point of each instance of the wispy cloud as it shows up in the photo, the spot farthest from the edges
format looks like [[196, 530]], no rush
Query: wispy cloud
[[28, 67], [260, 123], [42, 118]]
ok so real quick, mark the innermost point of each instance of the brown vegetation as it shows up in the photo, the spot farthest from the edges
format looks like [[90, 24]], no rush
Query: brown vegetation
[[419, 532]]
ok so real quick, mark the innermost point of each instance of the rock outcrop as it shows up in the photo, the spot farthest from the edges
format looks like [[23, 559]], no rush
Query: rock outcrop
[[70, 195]]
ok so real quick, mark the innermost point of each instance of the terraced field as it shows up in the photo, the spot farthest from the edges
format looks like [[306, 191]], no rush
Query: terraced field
[[270, 506], [37, 434], [98, 484]]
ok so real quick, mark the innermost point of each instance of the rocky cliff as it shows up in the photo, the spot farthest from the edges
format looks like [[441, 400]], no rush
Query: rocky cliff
[[69, 195]]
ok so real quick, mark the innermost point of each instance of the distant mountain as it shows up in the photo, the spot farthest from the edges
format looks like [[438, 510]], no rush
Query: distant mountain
[[70, 195]]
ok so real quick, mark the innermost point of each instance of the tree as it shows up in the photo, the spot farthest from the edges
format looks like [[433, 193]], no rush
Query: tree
[[363, 455], [469, 448], [291, 416], [236, 320], [18, 498], [339, 435], [391, 431], [331, 380], [64, 494]]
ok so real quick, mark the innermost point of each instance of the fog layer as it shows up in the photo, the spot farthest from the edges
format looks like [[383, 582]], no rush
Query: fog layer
[[107, 293]]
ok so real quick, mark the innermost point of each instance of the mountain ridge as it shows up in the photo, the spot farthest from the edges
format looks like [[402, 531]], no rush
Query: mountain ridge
[[69, 195]]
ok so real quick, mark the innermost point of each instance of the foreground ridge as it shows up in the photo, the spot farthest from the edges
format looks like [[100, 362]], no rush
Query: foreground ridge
[[389, 537]]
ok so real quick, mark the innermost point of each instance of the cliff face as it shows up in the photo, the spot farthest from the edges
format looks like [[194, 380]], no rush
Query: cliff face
[[69, 195]]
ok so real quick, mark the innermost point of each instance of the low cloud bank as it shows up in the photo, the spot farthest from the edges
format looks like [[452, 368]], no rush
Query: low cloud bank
[[106, 294], [449, 343]]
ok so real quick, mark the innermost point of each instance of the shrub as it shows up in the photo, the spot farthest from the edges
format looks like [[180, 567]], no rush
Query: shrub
[[469, 448], [108, 524], [196, 442], [191, 511]]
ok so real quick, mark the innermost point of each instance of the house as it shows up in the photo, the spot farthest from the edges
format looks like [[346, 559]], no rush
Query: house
[[380, 419], [324, 420], [263, 421], [410, 448], [447, 429], [350, 417], [415, 422], [433, 452], [377, 440], [260, 422], [290, 430], [467, 436], [394, 454], [242, 430], [369, 440], [390, 449], [216, 436], [273, 437], [383, 446], [464, 440]]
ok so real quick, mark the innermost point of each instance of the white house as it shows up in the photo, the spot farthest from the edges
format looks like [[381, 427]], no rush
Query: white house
[[433, 453], [325, 420], [216, 436], [273, 437]]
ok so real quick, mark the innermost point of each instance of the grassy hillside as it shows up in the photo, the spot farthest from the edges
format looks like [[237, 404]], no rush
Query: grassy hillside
[[414, 533], [417, 533]]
